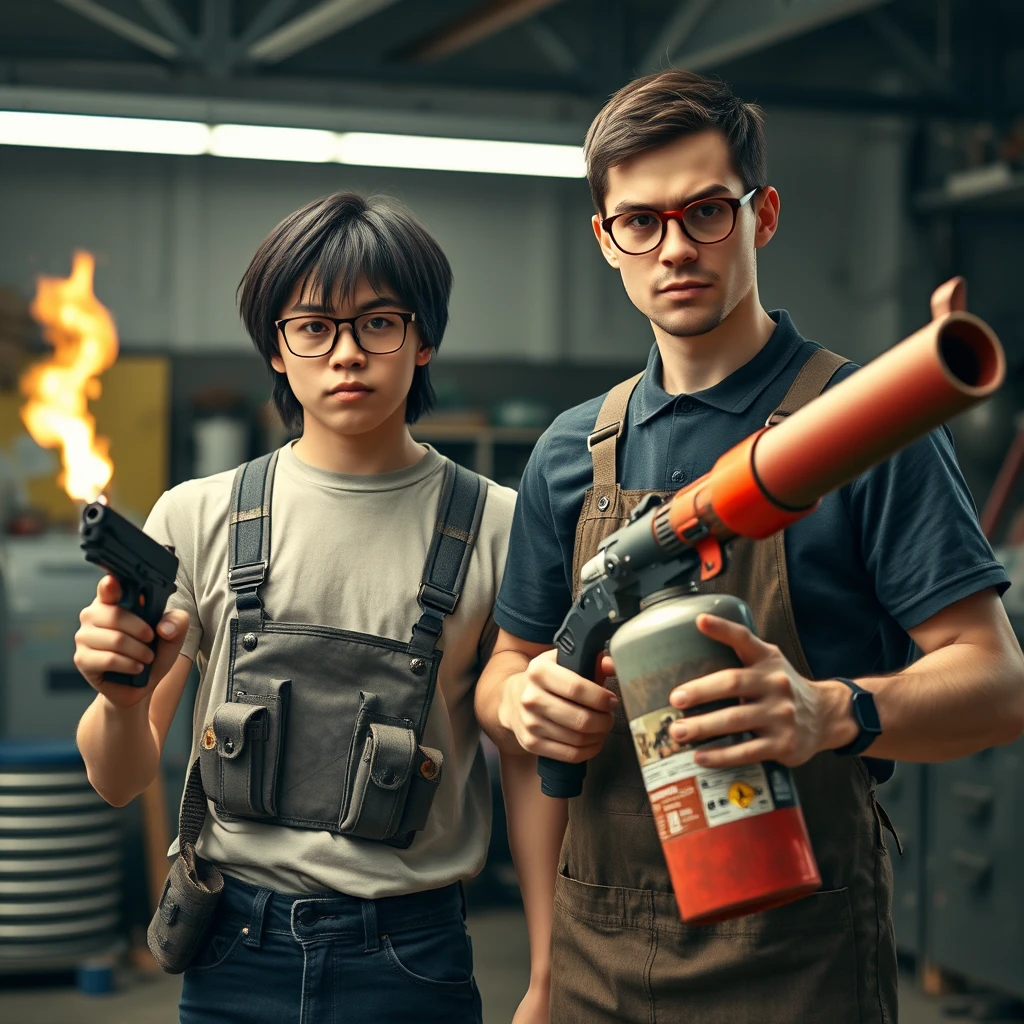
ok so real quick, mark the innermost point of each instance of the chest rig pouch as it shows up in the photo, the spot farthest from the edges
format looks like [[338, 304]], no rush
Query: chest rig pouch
[[321, 728]]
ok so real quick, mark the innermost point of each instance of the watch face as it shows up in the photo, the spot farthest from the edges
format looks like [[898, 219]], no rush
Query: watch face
[[866, 713]]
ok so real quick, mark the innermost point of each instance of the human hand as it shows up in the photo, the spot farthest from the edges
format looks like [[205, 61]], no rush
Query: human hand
[[791, 718], [111, 639], [553, 712], [535, 1007]]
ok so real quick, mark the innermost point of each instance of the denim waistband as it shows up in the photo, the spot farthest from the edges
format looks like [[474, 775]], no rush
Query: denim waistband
[[319, 916]]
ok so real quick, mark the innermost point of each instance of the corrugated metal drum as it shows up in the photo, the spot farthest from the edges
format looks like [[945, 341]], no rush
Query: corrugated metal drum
[[60, 859]]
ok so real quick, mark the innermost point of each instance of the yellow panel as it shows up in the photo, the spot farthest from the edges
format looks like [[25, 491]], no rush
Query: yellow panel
[[133, 412]]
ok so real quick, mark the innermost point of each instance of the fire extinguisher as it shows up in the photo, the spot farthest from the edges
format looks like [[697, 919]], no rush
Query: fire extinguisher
[[735, 840]]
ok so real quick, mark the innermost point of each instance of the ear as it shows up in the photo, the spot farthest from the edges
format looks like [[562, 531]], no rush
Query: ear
[[424, 354], [766, 213], [277, 362], [608, 250]]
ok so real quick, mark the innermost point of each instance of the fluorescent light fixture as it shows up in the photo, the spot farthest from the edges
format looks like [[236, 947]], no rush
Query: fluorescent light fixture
[[120, 134], [259, 142], [422, 152], [305, 145]]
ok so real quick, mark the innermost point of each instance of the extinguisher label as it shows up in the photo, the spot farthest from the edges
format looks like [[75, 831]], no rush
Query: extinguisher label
[[687, 797]]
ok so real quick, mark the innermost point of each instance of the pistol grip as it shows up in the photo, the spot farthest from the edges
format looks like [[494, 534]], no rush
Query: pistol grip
[[138, 601]]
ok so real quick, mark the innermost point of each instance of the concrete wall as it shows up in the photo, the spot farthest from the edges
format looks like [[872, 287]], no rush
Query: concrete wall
[[173, 234]]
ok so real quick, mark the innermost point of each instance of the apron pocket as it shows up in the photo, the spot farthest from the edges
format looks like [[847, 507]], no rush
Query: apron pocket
[[797, 962]]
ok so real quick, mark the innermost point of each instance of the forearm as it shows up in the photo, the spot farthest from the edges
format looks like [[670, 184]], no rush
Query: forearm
[[503, 670], [536, 826], [119, 748], [955, 701]]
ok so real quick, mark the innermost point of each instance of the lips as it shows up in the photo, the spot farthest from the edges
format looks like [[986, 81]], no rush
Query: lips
[[348, 387], [684, 286]]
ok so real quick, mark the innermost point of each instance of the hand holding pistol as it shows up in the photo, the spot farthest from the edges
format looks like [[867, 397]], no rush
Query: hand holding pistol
[[144, 569]]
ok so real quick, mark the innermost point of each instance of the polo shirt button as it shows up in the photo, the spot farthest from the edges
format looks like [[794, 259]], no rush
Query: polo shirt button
[[686, 406], [677, 476], [602, 503]]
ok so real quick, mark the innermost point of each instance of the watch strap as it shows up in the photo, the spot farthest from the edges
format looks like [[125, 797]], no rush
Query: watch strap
[[868, 734]]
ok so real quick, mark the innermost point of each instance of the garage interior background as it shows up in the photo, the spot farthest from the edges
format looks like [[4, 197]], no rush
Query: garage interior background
[[896, 140]]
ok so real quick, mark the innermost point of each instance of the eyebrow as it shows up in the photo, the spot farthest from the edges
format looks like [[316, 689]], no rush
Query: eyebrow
[[705, 193], [379, 302]]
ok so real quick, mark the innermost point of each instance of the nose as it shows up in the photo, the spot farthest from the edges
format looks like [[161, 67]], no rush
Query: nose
[[346, 352], [676, 249]]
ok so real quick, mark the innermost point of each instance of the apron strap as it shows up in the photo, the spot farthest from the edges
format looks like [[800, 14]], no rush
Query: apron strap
[[459, 511], [249, 537], [814, 375], [607, 430]]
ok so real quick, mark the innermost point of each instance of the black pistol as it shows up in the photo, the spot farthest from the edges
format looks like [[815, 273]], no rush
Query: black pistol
[[144, 568]]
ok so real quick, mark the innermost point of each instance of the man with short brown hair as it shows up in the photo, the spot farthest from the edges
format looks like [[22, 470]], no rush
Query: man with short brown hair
[[677, 170]]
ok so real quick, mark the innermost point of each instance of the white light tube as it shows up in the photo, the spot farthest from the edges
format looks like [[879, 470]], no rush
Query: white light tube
[[306, 145], [259, 142], [488, 156], [118, 134]]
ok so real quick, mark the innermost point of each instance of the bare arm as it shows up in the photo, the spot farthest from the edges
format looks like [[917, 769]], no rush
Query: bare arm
[[122, 733], [529, 705], [965, 694]]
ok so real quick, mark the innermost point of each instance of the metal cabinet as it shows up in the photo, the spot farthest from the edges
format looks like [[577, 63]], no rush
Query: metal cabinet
[[46, 582], [975, 924], [903, 799]]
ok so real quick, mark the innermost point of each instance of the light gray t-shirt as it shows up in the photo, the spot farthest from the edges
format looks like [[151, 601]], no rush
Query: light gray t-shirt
[[346, 551]]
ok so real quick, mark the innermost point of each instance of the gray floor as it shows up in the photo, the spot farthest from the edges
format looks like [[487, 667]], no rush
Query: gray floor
[[499, 942]]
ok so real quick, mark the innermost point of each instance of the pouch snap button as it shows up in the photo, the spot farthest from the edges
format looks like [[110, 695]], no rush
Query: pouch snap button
[[603, 503], [249, 641], [418, 666], [229, 745]]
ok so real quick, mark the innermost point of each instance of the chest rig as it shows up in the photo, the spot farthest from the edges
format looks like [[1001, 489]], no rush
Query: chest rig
[[321, 727]]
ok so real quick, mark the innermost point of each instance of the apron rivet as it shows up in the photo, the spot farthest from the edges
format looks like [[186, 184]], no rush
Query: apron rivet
[[417, 665], [249, 641], [602, 503]]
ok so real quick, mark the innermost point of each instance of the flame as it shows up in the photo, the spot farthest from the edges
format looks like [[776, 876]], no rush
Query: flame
[[81, 331]]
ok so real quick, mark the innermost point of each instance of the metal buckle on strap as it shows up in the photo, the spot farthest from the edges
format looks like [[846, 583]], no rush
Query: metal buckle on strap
[[242, 576], [776, 417], [612, 429], [435, 598]]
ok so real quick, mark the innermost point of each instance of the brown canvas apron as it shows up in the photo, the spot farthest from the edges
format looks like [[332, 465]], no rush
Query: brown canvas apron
[[619, 949]]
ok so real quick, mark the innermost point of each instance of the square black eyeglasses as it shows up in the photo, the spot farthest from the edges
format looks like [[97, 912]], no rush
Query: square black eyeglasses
[[704, 221], [378, 333]]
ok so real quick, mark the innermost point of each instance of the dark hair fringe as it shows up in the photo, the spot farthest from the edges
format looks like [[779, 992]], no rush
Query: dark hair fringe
[[327, 246], [660, 108]]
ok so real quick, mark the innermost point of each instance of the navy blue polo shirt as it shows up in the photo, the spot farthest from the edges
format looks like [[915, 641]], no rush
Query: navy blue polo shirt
[[876, 558]]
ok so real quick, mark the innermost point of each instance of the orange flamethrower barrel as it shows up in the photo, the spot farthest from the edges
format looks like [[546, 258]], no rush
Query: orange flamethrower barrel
[[776, 476]]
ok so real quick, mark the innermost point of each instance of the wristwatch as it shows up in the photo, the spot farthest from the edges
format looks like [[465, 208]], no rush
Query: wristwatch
[[865, 714]]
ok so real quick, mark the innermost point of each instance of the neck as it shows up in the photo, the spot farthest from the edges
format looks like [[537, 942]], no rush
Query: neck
[[701, 361], [385, 449]]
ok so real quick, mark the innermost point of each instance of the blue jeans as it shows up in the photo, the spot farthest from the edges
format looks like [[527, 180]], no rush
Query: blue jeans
[[273, 958]]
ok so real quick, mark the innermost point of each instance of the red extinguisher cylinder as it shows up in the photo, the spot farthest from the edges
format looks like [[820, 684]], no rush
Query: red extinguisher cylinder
[[734, 840]]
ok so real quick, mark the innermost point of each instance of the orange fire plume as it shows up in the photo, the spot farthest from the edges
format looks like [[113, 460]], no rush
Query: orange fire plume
[[81, 331]]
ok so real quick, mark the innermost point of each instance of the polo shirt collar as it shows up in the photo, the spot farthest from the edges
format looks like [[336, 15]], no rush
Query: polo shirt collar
[[734, 394]]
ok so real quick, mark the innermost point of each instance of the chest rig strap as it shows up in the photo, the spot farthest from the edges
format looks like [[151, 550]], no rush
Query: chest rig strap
[[459, 511], [249, 538]]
